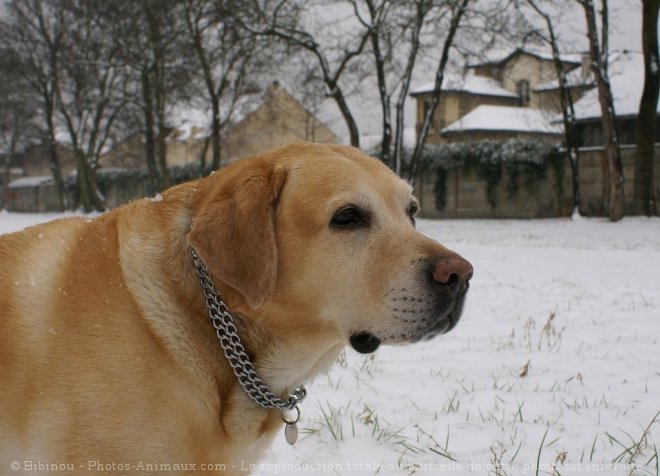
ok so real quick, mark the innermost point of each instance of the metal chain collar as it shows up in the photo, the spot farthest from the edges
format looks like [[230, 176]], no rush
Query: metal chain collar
[[223, 322]]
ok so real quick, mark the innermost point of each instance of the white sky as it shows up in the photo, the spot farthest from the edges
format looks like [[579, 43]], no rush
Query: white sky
[[625, 24]]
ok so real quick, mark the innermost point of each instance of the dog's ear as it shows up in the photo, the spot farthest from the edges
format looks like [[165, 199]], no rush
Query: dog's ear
[[233, 228]]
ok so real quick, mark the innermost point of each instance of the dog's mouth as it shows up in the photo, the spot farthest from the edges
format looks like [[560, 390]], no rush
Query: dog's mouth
[[444, 320], [364, 342], [441, 326]]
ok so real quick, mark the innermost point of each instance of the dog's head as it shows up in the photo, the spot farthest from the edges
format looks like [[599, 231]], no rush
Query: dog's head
[[322, 239]]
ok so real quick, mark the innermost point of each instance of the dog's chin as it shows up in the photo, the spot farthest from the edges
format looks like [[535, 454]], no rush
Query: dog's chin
[[364, 342], [442, 326]]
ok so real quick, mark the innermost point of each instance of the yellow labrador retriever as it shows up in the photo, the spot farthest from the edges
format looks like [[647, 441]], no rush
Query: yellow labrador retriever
[[109, 361]]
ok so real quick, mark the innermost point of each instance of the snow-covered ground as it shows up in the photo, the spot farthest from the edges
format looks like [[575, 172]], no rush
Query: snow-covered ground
[[555, 365]]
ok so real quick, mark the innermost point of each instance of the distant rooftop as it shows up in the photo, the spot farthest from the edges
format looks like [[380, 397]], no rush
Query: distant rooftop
[[32, 181], [504, 119], [470, 83], [499, 56]]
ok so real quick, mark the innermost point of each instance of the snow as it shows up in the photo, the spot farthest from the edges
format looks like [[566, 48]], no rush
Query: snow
[[470, 83], [502, 118], [498, 55], [509, 384], [626, 72], [33, 181]]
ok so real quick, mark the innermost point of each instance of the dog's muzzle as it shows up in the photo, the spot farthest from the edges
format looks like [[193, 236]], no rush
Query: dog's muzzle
[[448, 280]]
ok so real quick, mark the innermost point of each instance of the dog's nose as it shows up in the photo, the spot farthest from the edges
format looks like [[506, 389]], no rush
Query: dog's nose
[[453, 272]]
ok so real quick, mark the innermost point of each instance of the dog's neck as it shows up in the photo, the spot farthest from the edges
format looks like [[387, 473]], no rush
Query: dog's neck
[[284, 365]]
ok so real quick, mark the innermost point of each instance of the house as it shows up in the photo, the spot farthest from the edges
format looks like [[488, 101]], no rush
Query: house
[[279, 120], [8, 173], [31, 186], [460, 95], [520, 79], [525, 71], [513, 96], [516, 96], [34, 160], [270, 120]]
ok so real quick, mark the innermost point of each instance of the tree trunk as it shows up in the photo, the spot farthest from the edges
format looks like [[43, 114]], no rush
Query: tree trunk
[[611, 155], [56, 171], [385, 99], [6, 167], [161, 136], [339, 98], [53, 159], [439, 77], [149, 147], [6, 175], [202, 156], [161, 149], [88, 193], [567, 109], [215, 132], [422, 10], [644, 192], [84, 192]]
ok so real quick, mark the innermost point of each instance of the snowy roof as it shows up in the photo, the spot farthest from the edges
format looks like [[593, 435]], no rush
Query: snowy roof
[[626, 71], [504, 119], [26, 182], [470, 83], [497, 56]]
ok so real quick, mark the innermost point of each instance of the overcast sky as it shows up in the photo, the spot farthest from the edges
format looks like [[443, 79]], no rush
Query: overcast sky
[[625, 25]]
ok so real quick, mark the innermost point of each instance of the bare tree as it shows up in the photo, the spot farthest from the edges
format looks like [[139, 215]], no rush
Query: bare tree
[[382, 45], [644, 193], [458, 9], [565, 99], [393, 27], [89, 92], [224, 52], [17, 111], [150, 34], [163, 34], [421, 10], [282, 20], [35, 30], [599, 51]]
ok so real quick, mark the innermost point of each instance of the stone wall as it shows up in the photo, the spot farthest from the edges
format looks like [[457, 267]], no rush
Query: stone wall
[[591, 178], [466, 193], [466, 197]]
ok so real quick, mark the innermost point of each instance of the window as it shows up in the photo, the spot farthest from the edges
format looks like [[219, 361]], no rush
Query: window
[[522, 88]]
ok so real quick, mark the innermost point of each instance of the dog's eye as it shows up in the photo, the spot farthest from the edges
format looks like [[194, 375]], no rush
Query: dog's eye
[[350, 217], [412, 211]]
